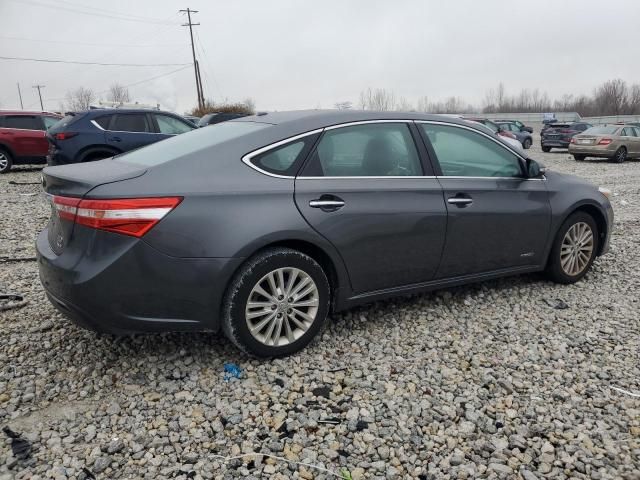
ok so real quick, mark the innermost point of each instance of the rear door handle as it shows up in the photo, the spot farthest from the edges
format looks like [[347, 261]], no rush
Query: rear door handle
[[327, 203], [460, 201]]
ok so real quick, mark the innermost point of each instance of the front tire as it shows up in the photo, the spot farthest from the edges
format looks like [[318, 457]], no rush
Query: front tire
[[546, 149], [574, 249], [526, 144], [276, 303], [579, 158], [6, 162]]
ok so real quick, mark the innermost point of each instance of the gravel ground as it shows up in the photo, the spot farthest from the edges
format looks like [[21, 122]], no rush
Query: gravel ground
[[493, 380]]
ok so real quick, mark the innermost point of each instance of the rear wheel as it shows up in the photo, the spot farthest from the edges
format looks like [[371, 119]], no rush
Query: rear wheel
[[620, 155], [276, 303], [526, 144], [579, 158], [6, 162], [94, 155], [546, 149], [574, 249]]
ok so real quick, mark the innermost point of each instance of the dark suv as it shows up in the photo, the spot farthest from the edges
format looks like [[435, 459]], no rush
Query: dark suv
[[559, 135], [213, 118], [22, 137], [102, 133]]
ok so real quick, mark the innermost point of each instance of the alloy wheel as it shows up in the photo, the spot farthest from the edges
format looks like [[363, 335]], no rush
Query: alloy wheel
[[621, 155], [576, 249], [282, 306], [4, 161]]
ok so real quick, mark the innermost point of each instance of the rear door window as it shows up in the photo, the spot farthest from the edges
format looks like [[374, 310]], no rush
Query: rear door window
[[369, 150], [131, 122], [23, 122]]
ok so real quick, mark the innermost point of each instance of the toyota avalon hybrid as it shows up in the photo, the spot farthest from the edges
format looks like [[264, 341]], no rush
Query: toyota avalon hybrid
[[264, 225]]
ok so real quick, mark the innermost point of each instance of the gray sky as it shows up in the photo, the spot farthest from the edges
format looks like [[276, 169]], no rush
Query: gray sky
[[293, 54]]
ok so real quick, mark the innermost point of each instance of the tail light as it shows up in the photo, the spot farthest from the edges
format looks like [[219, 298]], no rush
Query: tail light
[[127, 216], [573, 140], [605, 141], [64, 135]]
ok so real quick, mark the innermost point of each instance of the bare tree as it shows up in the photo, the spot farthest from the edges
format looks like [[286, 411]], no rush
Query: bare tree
[[250, 103], [378, 99], [403, 105], [611, 97], [343, 105], [423, 104], [118, 93], [79, 99]]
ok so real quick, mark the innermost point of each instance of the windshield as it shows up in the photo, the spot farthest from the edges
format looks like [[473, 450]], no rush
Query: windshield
[[189, 142], [604, 130]]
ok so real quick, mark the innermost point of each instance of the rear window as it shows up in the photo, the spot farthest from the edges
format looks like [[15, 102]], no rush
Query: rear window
[[602, 130], [190, 142], [66, 121]]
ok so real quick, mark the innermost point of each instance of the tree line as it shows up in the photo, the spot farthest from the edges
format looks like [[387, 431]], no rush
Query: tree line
[[613, 97]]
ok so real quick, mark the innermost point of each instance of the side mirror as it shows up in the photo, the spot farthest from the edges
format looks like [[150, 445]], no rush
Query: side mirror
[[534, 169]]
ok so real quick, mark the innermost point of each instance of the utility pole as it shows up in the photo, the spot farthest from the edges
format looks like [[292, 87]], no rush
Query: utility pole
[[20, 95], [40, 94], [193, 51]]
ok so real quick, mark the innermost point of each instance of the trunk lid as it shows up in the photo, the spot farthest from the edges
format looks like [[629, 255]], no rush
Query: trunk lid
[[73, 182]]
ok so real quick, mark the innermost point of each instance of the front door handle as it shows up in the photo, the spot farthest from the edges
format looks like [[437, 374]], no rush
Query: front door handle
[[327, 203], [460, 201]]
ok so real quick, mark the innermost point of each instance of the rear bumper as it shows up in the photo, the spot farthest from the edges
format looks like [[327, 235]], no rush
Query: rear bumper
[[592, 150], [556, 142], [58, 158], [121, 285]]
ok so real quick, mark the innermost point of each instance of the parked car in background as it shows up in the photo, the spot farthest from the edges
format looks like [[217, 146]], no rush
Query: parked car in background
[[506, 135], [524, 137], [102, 133], [559, 135], [521, 126], [22, 137], [213, 118], [614, 142], [290, 221], [548, 118]]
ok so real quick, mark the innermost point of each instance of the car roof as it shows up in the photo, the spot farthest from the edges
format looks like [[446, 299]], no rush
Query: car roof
[[100, 111], [26, 112], [305, 120]]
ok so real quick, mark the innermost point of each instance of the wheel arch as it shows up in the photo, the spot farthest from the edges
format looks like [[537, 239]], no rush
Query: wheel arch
[[8, 149], [80, 156], [598, 216]]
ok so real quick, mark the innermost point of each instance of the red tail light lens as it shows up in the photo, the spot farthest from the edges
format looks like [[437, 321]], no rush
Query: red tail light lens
[[605, 141], [64, 135], [127, 216], [573, 140]]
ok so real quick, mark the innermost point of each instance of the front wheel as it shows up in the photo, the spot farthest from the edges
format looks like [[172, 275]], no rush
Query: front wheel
[[546, 149], [574, 249], [6, 162], [276, 303], [526, 144], [579, 158]]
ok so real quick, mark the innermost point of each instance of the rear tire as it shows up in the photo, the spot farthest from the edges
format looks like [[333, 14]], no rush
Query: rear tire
[[620, 156], [574, 249], [95, 155], [526, 144], [276, 303], [6, 161], [579, 158], [546, 149]]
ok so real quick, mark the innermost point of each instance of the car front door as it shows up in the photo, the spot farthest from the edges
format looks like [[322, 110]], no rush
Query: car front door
[[497, 218], [128, 131], [630, 140], [364, 189]]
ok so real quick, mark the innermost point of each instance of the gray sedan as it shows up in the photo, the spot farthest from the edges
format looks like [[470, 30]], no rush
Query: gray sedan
[[264, 225], [523, 136]]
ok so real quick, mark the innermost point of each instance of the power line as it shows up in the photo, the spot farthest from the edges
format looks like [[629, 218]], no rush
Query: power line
[[47, 60], [115, 17], [62, 42]]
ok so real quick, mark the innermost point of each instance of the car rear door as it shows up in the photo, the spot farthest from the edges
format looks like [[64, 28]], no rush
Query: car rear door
[[497, 219], [128, 131], [25, 135], [365, 189]]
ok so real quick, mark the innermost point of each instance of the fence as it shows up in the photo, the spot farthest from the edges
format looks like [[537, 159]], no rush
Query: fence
[[613, 119], [561, 116]]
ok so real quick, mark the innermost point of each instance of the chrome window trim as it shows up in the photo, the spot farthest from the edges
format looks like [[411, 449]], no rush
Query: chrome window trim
[[96, 124], [246, 159], [368, 177], [364, 122]]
